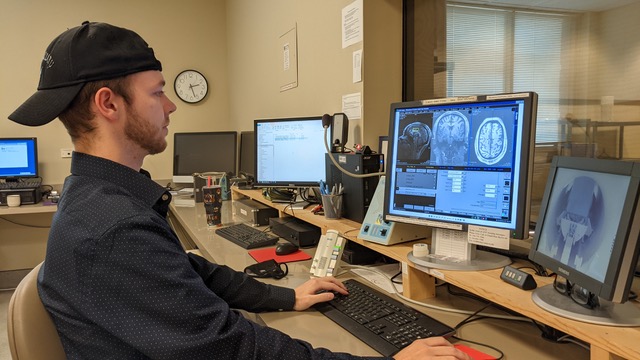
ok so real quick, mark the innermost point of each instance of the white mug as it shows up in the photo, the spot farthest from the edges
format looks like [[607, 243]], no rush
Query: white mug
[[13, 200]]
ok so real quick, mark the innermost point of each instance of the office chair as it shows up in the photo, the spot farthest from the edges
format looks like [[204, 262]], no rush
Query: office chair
[[32, 334]]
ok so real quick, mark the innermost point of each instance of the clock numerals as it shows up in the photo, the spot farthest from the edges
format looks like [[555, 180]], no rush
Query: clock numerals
[[191, 86]]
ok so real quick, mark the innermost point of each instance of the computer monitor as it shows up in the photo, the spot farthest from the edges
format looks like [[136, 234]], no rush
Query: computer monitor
[[289, 152], [18, 158], [456, 163], [246, 166], [200, 152], [587, 233]]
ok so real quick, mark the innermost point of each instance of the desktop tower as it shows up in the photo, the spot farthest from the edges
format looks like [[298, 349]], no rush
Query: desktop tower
[[358, 192]]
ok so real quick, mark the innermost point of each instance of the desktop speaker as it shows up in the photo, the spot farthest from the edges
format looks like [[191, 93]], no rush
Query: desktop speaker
[[358, 192]]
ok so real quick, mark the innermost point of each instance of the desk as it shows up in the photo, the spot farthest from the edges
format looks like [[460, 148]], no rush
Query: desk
[[518, 340], [23, 240]]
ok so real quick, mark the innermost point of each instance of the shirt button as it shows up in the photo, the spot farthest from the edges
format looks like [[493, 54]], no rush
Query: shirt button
[[165, 197]]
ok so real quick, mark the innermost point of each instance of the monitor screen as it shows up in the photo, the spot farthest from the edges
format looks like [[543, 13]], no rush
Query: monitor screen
[[289, 152], [201, 152], [246, 167], [587, 231], [18, 158], [464, 161]]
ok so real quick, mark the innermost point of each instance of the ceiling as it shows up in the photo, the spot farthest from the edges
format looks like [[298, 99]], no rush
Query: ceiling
[[568, 5]]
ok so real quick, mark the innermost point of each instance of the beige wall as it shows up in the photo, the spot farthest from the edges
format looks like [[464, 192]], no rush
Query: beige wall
[[184, 34]]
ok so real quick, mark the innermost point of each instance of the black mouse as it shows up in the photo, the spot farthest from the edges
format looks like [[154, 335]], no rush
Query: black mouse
[[286, 248]]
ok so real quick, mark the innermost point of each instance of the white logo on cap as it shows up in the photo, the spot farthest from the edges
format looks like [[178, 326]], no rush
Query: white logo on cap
[[48, 60]]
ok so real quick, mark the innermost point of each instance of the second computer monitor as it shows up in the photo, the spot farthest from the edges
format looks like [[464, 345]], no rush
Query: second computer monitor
[[200, 152], [289, 152], [246, 166]]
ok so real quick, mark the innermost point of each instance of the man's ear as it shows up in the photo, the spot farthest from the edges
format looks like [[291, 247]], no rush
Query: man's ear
[[107, 103]]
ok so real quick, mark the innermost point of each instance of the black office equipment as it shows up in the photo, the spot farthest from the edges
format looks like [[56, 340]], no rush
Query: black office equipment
[[295, 231], [246, 165], [358, 192], [253, 212], [246, 236], [380, 321]]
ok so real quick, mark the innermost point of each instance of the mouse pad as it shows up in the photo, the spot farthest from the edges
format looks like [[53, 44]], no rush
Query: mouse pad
[[475, 354], [261, 255]]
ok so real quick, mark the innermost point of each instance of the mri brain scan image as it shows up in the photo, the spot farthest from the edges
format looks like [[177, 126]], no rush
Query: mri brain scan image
[[491, 141], [450, 139], [414, 142]]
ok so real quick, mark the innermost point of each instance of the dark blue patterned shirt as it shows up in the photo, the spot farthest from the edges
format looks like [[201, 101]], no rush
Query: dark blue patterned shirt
[[118, 284]]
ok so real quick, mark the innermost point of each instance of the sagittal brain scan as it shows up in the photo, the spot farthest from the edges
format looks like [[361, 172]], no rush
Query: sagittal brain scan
[[578, 212], [491, 141], [450, 139], [413, 143]]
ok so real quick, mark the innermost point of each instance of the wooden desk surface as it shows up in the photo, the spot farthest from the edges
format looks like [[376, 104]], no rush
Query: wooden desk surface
[[606, 342], [519, 340], [38, 208]]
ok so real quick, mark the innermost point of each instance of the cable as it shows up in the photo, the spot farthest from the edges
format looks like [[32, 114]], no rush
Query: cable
[[435, 307]]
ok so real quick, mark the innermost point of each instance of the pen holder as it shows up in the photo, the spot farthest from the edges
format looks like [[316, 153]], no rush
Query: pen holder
[[332, 206], [212, 199]]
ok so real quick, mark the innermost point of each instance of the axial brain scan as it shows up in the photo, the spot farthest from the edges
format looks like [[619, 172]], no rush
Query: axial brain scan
[[491, 141], [450, 140]]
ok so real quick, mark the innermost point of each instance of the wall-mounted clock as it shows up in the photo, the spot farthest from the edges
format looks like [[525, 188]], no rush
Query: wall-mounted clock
[[191, 86]]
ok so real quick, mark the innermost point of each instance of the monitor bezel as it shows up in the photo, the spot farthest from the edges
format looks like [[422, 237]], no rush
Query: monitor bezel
[[292, 184], [523, 207], [246, 135], [179, 177], [621, 268], [33, 154]]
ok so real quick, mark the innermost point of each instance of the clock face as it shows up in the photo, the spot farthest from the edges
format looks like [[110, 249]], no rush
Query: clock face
[[191, 86]]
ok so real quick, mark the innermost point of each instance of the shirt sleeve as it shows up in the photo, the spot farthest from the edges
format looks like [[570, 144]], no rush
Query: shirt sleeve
[[146, 291]]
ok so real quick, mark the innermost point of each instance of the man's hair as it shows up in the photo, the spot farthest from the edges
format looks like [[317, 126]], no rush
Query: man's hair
[[78, 117]]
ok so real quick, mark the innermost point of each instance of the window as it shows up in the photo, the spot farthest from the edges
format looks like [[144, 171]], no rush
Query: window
[[493, 50]]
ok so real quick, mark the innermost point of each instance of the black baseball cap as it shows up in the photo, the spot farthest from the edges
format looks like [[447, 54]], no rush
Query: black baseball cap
[[92, 51]]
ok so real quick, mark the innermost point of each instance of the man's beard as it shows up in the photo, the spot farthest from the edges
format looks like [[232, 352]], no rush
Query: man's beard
[[143, 134]]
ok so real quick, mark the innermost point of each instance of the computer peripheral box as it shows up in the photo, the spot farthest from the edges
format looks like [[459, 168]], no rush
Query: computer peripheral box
[[295, 231], [253, 212], [27, 196], [358, 192]]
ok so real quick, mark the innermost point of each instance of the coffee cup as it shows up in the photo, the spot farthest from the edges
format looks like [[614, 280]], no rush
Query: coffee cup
[[13, 200]]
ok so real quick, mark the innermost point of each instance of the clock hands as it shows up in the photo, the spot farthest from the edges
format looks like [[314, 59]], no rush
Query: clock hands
[[191, 86]]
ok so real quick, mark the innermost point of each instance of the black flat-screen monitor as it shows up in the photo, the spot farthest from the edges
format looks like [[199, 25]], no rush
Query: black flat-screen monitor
[[18, 158], [289, 152], [200, 152], [587, 233], [246, 166], [459, 162]]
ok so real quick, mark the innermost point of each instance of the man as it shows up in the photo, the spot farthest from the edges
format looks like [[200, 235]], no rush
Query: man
[[116, 280]]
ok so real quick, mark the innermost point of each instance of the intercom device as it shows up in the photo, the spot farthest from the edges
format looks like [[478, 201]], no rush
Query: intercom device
[[326, 261], [339, 132], [375, 229]]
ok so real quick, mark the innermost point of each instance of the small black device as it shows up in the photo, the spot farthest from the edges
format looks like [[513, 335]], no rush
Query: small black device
[[295, 231], [253, 212], [339, 132], [518, 278], [267, 269], [286, 248]]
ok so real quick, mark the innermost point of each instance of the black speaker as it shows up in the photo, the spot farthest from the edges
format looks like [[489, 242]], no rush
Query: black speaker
[[358, 192]]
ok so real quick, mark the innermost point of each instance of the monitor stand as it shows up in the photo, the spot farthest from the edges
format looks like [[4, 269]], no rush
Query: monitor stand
[[465, 256], [608, 313]]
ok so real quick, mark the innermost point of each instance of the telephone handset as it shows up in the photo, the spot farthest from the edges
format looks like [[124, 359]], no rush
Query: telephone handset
[[326, 261]]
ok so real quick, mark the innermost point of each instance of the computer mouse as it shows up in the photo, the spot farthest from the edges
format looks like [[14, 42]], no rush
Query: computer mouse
[[286, 248]]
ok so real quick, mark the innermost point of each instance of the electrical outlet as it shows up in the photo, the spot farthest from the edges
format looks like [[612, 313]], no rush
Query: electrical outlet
[[65, 153]]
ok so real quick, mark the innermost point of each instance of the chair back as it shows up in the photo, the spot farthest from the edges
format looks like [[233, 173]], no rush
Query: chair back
[[32, 334]]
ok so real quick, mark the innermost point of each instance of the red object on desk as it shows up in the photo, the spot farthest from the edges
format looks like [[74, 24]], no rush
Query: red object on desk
[[261, 255], [475, 354]]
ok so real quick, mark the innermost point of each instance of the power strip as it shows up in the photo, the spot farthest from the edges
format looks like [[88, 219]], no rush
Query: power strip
[[518, 278]]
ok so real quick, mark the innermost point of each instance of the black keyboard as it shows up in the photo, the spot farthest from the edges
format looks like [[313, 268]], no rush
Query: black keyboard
[[23, 184], [247, 236], [380, 321]]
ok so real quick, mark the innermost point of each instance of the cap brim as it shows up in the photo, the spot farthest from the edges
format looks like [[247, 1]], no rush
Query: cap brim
[[45, 105]]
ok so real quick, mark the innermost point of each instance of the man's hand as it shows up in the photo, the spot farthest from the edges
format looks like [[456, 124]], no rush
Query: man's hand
[[317, 290], [431, 348]]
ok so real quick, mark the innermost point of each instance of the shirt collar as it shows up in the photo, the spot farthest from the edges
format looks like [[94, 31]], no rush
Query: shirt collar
[[139, 184]]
